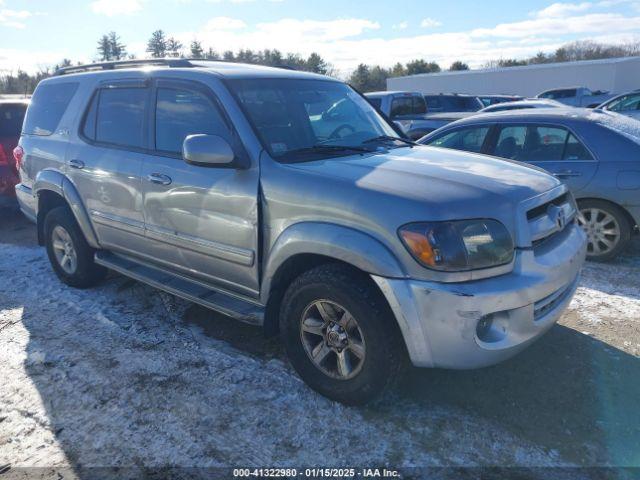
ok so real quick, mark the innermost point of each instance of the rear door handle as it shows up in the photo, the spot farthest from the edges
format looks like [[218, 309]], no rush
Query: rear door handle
[[159, 178], [79, 164], [567, 173]]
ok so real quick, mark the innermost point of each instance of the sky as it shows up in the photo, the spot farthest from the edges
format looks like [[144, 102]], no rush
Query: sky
[[39, 33]]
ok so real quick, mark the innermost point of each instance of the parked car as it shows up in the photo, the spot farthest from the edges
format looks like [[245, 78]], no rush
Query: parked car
[[406, 109], [452, 102], [522, 104], [494, 99], [577, 96], [626, 104], [208, 180], [594, 153], [11, 116], [434, 121]]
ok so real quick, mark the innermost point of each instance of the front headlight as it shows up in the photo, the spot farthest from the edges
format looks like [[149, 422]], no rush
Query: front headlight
[[459, 245]]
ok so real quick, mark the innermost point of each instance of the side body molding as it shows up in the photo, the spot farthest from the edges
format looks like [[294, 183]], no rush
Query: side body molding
[[342, 243], [57, 182]]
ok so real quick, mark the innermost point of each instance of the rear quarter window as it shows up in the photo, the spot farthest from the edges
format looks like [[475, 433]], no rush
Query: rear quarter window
[[47, 107]]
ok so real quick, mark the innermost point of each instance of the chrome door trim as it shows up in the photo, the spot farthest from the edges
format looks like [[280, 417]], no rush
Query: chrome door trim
[[223, 251], [118, 222]]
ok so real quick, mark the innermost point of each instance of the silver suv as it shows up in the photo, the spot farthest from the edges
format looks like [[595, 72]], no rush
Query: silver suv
[[235, 187]]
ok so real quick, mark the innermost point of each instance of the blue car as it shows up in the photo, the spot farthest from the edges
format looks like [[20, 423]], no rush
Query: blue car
[[596, 153]]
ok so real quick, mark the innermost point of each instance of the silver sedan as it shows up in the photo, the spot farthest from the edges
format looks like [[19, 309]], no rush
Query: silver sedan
[[595, 152]]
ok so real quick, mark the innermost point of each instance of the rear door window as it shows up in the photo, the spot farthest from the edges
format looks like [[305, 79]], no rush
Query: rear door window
[[468, 139], [48, 104], [539, 143], [575, 150], [117, 117]]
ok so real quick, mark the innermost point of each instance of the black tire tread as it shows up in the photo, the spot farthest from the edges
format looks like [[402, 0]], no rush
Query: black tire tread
[[88, 273], [361, 287]]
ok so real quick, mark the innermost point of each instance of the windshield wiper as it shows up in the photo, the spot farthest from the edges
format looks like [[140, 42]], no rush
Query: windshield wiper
[[322, 148], [389, 137]]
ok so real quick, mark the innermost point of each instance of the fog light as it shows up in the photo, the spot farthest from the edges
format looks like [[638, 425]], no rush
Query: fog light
[[483, 328]]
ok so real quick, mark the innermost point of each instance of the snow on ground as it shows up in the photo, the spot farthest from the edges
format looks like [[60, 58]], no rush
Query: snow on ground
[[114, 376]]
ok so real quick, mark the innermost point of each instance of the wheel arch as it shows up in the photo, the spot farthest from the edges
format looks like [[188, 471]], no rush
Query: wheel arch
[[632, 222], [53, 189], [302, 247]]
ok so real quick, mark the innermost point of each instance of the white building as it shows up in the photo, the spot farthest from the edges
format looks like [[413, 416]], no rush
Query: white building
[[616, 75]]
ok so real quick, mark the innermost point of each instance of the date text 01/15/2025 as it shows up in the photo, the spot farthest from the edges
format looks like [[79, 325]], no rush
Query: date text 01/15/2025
[[316, 473]]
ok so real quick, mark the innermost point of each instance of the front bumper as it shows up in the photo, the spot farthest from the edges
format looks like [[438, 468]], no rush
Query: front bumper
[[439, 321]]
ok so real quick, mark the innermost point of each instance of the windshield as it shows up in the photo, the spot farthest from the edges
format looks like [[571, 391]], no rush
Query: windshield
[[297, 117]]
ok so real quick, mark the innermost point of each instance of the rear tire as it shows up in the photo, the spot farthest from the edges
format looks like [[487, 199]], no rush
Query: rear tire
[[607, 227], [69, 253], [339, 334]]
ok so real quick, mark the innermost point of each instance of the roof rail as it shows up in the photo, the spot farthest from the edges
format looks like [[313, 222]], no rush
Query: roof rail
[[91, 67]]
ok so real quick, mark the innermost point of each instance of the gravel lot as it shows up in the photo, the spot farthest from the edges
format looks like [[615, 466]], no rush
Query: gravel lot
[[123, 375]]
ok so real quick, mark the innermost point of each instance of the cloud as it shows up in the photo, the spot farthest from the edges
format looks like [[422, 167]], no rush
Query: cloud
[[241, 1], [12, 59], [12, 18], [400, 26], [113, 8], [430, 23], [316, 30], [591, 23], [224, 23], [560, 9]]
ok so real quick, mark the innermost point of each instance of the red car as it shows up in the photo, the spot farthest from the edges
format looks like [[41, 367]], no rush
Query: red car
[[11, 116]]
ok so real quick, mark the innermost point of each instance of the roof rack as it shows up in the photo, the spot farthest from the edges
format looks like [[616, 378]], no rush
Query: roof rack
[[91, 67]]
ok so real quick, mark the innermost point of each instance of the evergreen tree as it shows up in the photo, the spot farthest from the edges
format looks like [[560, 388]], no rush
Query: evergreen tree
[[359, 79], [118, 49], [196, 49], [104, 48], [458, 65], [212, 55], [157, 44], [420, 66], [398, 70], [316, 64], [173, 47]]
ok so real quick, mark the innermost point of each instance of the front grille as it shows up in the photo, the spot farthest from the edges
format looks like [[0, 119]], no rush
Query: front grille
[[550, 219], [542, 209], [549, 303]]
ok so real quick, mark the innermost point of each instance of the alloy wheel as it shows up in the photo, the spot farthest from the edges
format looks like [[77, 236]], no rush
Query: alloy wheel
[[64, 249], [332, 339], [602, 229]]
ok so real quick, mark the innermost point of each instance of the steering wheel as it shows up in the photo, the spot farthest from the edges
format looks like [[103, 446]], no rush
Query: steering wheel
[[345, 126]]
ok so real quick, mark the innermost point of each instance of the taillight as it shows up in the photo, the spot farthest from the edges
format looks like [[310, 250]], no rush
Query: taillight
[[3, 156], [18, 155]]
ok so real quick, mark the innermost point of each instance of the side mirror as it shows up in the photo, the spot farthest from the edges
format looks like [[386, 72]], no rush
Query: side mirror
[[208, 151]]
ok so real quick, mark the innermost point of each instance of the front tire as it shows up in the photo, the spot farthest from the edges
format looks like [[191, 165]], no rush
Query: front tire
[[340, 335], [69, 253], [607, 227]]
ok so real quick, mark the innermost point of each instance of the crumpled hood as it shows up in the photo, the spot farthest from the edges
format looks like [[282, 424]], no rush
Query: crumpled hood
[[439, 177]]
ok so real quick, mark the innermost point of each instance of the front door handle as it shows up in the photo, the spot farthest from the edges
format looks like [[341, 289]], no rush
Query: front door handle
[[79, 164], [567, 173], [159, 178]]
